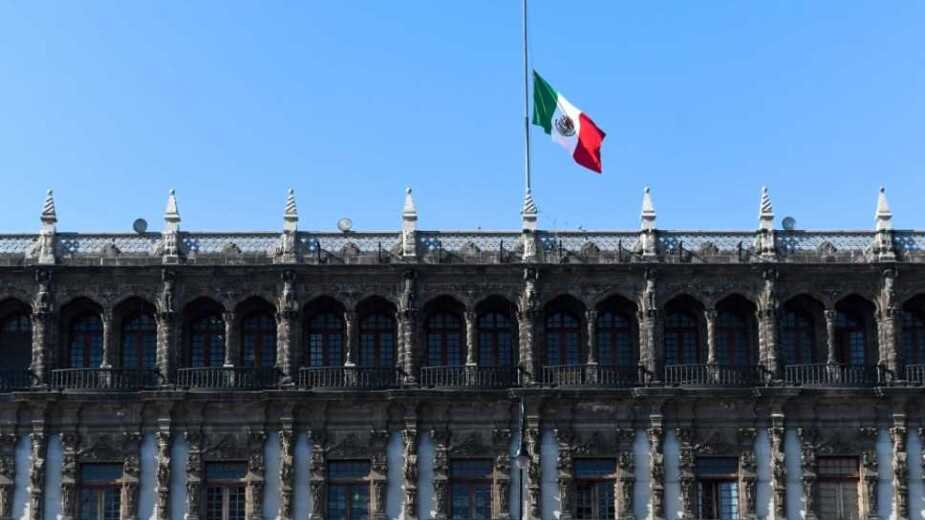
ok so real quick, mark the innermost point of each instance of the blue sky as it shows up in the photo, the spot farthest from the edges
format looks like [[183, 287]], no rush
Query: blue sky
[[231, 103]]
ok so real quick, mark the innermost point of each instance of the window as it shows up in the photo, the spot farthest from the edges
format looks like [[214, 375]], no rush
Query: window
[[139, 342], [732, 345], [225, 490], [348, 490], [717, 488], [100, 492], [594, 489], [444, 339], [207, 342], [16, 341], [86, 343], [615, 340], [562, 339], [377, 341], [496, 340], [259, 341], [837, 488], [913, 337], [325, 340], [797, 338], [682, 339], [470, 489], [850, 339]]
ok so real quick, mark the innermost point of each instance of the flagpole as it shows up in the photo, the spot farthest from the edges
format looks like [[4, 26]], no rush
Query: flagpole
[[527, 180]]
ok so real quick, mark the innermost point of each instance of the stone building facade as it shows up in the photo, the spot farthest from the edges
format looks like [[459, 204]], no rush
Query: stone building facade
[[479, 345]]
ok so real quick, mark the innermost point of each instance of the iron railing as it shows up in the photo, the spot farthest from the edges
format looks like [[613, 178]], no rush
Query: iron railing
[[915, 374], [591, 375], [353, 378], [16, 379], [241, 378], [714, 375], [468, 377], [823, 374], [104, 378]]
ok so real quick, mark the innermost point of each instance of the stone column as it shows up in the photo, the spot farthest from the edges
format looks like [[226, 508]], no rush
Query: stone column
[[69, 476], [352, 339], [441, 440], [534, 474], [287, 441], [748, 473], [566, 467], [526, 326], [869, 480], [42, 343], [318, 479], [830, 315], [767, 339], [194, 469], [472, 338], [162, 478], [656, 466], [231, 340], [409, 438], [709, 316], [501, 475], [168, 347], [808, 467], [131, 473], [777, 435], [287, 344], [379, 476], [408, 328], [108, 343], [687, 475], [625, 481], [898, 433], [253, 509], [591, 332], [7, 474], [37, 475], [889, 354]]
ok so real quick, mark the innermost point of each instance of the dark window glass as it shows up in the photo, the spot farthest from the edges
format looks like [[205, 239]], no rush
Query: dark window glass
[[100, 492], [325, 340], [444, 340], [471, 468], [16, 341], [797, 338], [377, 341], [259, 341], [838, 467], [718, 499], [470, 489], [207, 342], [226, 470], [718, 467], [732, 340], [615, 340], [86, 342], [913, 338], [225, 490], [496, 340], [348, 490], [682, 339], [837, 487], [139, 342], [349, 469], [562, 339], [850, 339], [594, 499]]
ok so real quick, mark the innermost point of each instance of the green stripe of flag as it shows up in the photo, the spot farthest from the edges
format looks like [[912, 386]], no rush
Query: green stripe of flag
[[544, 103]]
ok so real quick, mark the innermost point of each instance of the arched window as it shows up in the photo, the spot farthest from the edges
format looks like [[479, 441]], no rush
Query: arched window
[[732, 345], [139, 342], [797, 338], [444, 340], [913, 338], [259, 341], [562, 333], [496, 340], [615, 340], [85, 342], [682, 339], [325, 340], [16, 341], [377, 341], [207, 342], [850, 339]]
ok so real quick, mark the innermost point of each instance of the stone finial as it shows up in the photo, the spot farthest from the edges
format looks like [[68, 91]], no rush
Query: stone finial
[[409, 211], [884, 217], [764, 241], [648, 210], [49, 215], [766, 213], [171, 213], [291, 214], [45, 247], [170, 240], [409, 219], [529, 212]]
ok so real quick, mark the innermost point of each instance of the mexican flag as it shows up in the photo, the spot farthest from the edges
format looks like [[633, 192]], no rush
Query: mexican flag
[[567, 125]]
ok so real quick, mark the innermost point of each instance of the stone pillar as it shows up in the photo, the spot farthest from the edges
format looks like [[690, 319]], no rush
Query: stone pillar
[[898, 434], [591, 333], [534, 474], [231, 340], [194, 470], [287, 440], [777, 434], [409, 438], [830, 315], [441, 440], [131, 474], [408, 328], [656, 466], [808, 467], [869, 479], [7, 474], [162, 478], [648, 328], [168, 345], [501, 476], [767, 324], [379, 477], [109, 346], [253, 509], [625, 481], [69, 476], [526, 326], [687, 473], [472, 338], [566, 467], [37, 475], [886, 324], [709, 316], [352, 338], [42, 343], [748, 474], [287, 344], [318, 479]]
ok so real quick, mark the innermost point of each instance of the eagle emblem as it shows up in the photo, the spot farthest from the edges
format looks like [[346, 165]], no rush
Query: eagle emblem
[[565, 126]]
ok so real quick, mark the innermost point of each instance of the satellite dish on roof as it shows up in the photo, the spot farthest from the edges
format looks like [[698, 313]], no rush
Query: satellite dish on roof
[[789, 223], [344, 225], [140, 226]]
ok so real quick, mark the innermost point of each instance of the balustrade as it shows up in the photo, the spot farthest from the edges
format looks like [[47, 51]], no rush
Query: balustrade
[[469, 376], [242, 378], [358, 378], [104, 378]]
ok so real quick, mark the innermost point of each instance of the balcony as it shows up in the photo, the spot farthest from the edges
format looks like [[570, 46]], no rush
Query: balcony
[[348, 378], [715, 375], [822, 374], [915, 374], [591, 375], [15, 379], [119, 379], [227, 378], [468, 377]]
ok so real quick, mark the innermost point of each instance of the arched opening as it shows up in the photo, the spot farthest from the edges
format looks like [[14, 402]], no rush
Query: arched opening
[[683, 337], [377, 343], [16, 334], [258, 333], [736, 333], [205, 334], [444, 332], [855, 343], [617, 333], [497, 333], [83, 331], [912, 335], [562, 332], [801, 328], [137, 331], [324, 333]]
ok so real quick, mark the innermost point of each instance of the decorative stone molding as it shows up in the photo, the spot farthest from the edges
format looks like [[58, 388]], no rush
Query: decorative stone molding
[[441, 439], [287, 440], [656, 436], [407, 327], [162, 439], [39, 443], [43, 325], [777, 435], [409, 438], [861, 443], [528, 307], [317, 476], [501, 473], [8, 442], [287, 324], [898, 434]]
